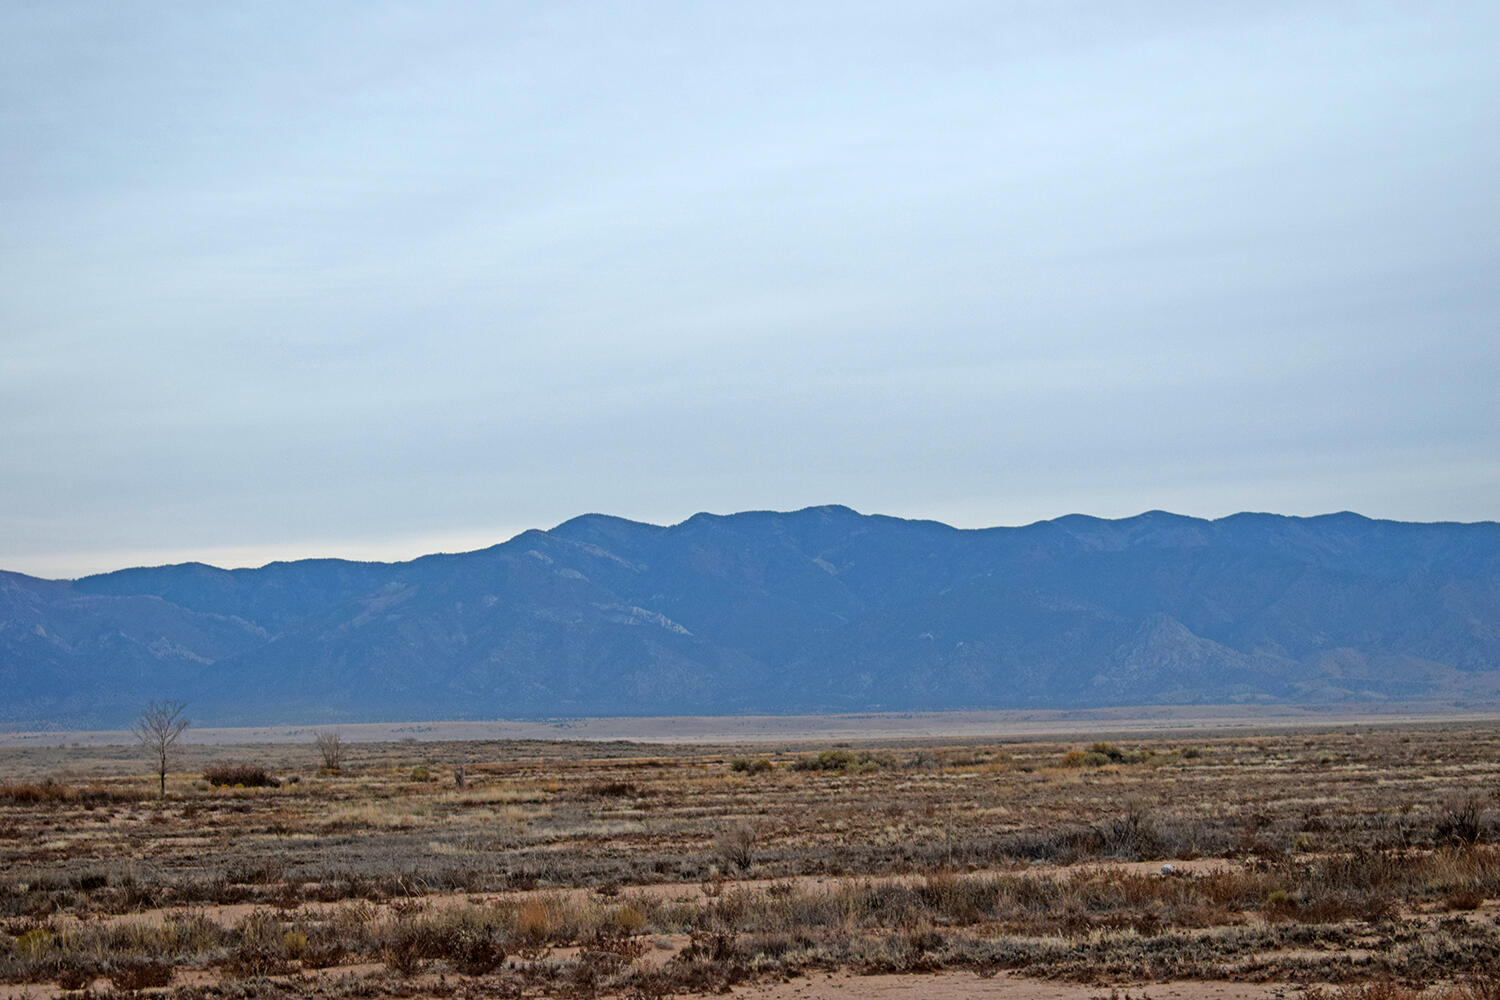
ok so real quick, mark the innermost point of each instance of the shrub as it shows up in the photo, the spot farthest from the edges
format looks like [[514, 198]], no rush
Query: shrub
[[72, 979], [1084, 758], [629, 919], [611, 789], [1132, 835], [846, 761], [1464, 899], [52, 792], [544, 920], [1461, 824], [466, 943], [35, 943], [323, 956], [1101, 754], [474, 952], [1114, 753], [736, 845], [231, 773], [134, 976], [331, 748], [828, 760], [47, 791], [751, 765], [405, 953]]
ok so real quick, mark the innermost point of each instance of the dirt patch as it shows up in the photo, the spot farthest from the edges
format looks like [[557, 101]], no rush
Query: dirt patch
[[966, 986]]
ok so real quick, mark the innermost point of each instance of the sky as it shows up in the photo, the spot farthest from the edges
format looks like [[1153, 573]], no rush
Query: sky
[[370, 280]]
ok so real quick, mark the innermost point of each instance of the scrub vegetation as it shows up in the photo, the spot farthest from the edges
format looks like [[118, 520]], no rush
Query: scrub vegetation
[[1360, 863]]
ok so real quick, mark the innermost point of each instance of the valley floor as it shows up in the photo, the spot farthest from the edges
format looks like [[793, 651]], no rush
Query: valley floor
[[1354, 863], [783, 729]]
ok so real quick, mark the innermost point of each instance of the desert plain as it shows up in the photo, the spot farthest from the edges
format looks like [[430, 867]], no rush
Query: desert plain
[[1329, 859]]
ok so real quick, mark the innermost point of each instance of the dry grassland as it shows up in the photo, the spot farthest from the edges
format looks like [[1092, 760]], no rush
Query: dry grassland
[[1359, 859]]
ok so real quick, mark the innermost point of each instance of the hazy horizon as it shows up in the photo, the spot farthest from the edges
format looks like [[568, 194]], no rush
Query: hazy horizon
[[376, 280]]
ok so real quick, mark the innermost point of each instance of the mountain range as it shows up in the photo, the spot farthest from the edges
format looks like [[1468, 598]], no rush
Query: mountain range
[[817, 610]]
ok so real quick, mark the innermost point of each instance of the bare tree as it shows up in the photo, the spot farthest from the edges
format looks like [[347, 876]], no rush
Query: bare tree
[[332, 749], [158, 727]]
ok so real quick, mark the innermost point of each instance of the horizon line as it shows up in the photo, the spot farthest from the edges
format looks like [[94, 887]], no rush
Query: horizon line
[[239, 558]]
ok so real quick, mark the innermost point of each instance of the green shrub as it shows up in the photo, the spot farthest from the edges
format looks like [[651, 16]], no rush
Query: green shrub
[[36, 942], [751, 765], [846, 761], [1109, 750], [1084, 758], [1101, 754]]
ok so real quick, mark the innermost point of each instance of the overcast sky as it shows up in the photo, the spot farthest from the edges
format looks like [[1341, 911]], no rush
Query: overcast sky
[[372, 280]]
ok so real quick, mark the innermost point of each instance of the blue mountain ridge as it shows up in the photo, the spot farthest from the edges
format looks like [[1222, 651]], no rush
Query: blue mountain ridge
[[821, 609]]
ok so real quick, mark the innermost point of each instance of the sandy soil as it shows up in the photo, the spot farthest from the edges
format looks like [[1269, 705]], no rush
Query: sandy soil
[[1097, 723], [956, 985], [847, 986]]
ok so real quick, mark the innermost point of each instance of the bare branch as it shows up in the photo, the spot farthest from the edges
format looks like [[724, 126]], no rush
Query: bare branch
[[157, 728], [332, 748]]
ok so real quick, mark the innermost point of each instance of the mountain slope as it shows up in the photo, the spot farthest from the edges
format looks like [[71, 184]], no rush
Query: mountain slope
[[814, 610]]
